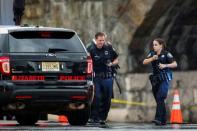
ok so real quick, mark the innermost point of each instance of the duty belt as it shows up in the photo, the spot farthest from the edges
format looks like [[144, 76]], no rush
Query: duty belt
[[104, 75], [162, 76]]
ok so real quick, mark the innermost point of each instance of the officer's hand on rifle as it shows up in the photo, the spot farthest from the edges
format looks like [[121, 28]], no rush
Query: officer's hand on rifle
[[110, 64]]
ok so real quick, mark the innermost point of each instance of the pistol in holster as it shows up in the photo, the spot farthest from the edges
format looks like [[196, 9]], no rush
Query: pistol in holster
[[154, 79]]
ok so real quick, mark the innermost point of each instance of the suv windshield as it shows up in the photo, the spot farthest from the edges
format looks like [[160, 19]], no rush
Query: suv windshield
[[44, 41]]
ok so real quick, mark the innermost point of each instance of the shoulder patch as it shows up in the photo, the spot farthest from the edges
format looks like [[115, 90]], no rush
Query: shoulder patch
[[106, 52], [149, 55], [169, 55]]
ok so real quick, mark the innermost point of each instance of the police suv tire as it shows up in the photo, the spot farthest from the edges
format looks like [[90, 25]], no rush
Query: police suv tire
[[79, 117], [27, 118]]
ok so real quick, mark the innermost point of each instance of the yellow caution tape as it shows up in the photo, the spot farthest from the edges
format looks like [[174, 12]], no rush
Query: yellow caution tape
[[193, 107], [128, 102]]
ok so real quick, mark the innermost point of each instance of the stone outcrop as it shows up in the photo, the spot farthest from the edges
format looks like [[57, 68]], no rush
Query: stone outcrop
[[131, 25], [119, 19], [175, 21]]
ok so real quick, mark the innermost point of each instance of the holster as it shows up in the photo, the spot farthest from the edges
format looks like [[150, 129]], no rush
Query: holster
[[154, 79]]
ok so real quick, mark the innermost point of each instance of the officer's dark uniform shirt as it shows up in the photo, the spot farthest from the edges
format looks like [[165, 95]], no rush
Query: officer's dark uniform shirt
[[164, 58], [101, 57]]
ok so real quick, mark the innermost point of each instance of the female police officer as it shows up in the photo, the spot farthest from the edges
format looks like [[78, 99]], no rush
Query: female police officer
[[162, 61]]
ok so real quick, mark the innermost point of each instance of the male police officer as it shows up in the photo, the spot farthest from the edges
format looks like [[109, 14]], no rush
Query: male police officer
[[104, 57]]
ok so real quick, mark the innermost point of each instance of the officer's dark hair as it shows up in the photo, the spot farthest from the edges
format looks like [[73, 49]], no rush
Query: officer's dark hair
[[100, 34], [161, 42]]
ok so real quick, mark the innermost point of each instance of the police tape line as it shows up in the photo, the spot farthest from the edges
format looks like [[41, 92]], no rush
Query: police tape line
[[139, 103], [192, 107], [128, 102], [117, 101]]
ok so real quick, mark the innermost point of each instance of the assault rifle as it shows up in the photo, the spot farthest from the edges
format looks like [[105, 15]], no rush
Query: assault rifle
[[114, 69]]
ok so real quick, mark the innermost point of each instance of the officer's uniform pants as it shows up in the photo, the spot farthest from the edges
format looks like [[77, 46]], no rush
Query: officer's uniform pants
[[160, 92], [102, 98]]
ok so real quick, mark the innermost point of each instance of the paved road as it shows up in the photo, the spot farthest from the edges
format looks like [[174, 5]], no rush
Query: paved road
[[50, 125]]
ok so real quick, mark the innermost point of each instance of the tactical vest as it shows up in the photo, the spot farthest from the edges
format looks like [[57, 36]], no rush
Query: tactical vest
[[166, 73]]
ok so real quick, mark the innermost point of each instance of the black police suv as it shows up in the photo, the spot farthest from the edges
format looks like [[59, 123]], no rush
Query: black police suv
[[44, 70]]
